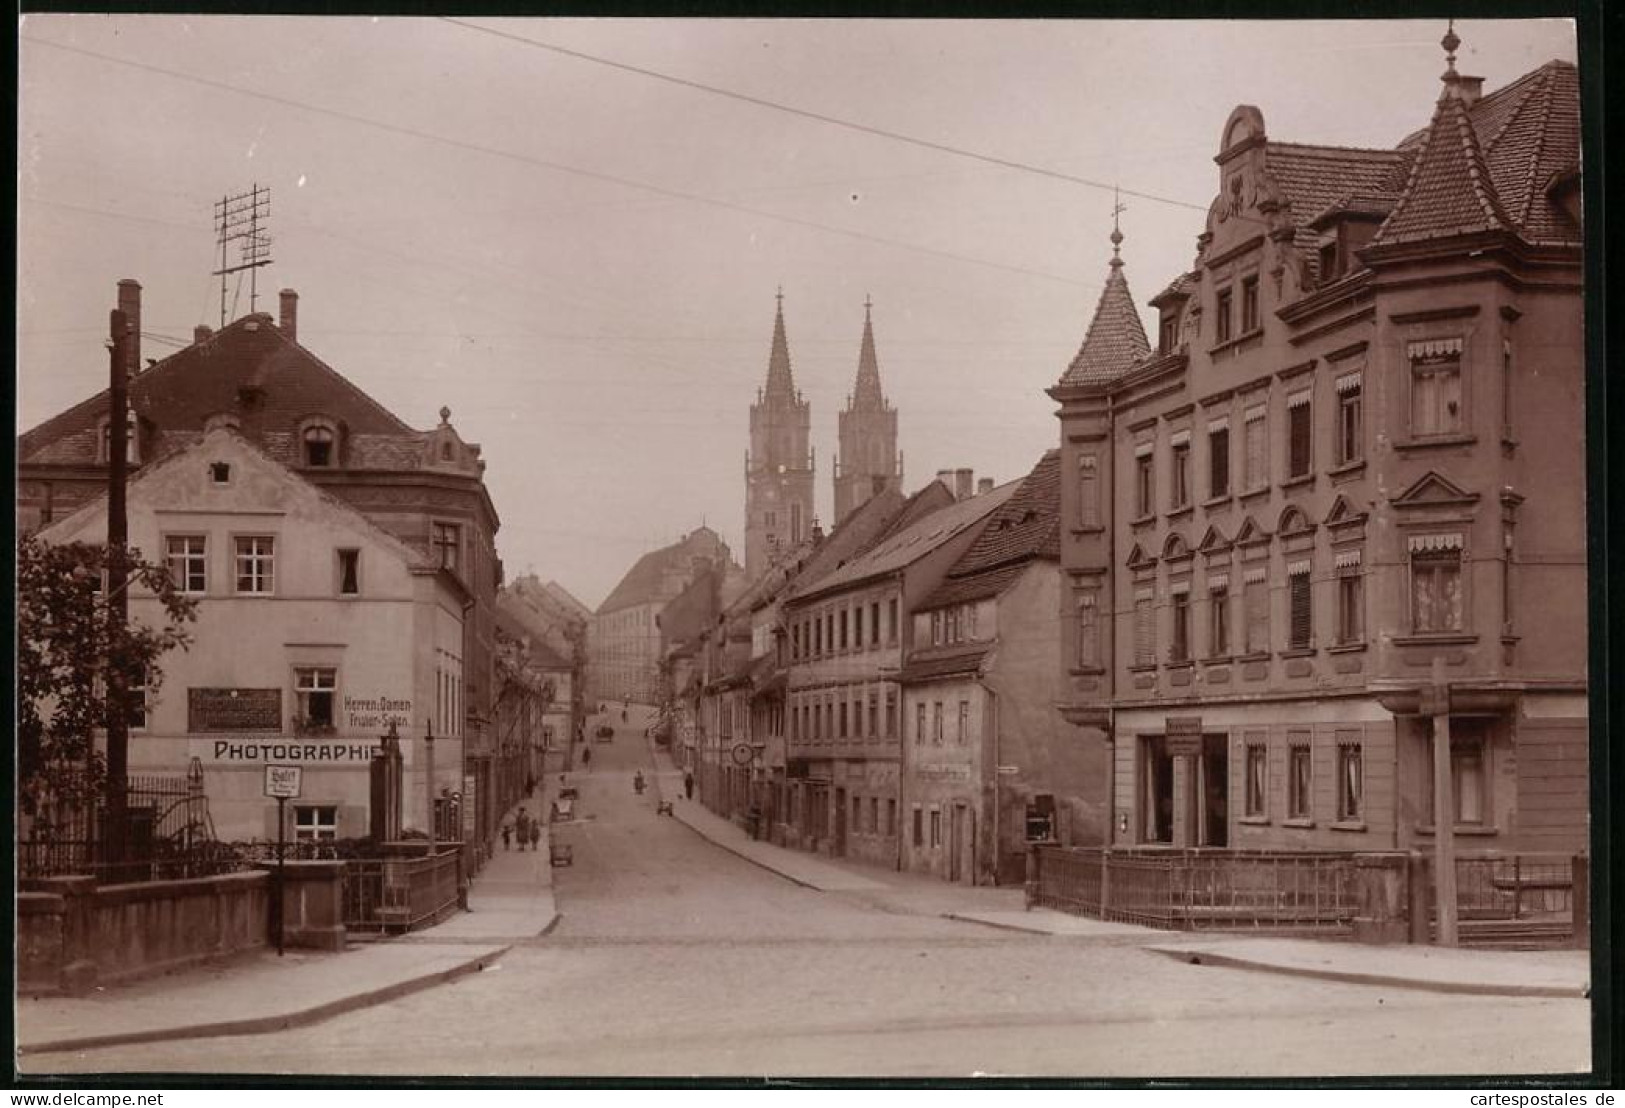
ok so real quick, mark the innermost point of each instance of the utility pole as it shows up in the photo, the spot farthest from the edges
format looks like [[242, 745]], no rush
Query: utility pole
[[114, 829]]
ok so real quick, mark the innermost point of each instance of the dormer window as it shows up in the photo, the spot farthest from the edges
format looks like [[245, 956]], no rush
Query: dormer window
[[132, 440], [319, 446], [1168, 333]]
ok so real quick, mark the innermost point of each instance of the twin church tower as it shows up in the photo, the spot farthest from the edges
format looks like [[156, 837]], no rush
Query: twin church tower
[[780, 467]]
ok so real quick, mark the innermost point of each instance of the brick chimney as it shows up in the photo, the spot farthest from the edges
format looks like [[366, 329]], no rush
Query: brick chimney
[[129, 302], [202, 333], [290, 315], [964, 485], [984, 485], [946, 476]]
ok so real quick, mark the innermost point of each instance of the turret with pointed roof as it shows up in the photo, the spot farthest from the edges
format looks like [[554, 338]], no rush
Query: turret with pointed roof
[[779, 465], [868, 462], [1116, 337]]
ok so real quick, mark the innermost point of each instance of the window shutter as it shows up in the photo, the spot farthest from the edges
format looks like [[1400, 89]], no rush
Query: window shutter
[[1298, 586], [1219, 455], [1298, 446], [1144, 644]]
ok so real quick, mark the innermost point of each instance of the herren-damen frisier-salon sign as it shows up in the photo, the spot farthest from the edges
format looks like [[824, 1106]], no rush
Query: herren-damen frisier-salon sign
[[377, 711]]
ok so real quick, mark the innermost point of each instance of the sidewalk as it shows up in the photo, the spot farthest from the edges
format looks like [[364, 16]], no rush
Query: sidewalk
[[1543, 973], [510, 901]]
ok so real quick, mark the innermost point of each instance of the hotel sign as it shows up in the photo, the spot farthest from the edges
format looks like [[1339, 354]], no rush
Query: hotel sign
[[233, 710]]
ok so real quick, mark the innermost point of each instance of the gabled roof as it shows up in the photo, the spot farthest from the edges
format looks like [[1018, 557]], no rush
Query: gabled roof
[[1116, 337], [251, 355], [1312, 178], [903, 548], [934, 663], [1027, 527], [645, 582]]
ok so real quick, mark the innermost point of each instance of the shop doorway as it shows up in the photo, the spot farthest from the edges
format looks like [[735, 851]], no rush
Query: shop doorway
[[960, 838], [840, 823]]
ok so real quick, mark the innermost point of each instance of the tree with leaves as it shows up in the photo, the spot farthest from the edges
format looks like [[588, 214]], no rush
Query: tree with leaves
[[66, 646]]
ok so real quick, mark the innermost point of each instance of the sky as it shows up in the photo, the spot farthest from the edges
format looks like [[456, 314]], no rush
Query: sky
[[546, 226]]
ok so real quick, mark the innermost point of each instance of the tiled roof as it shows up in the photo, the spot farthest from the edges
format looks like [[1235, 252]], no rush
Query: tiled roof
[[1449, 191], [924, 665], [182, 391], [903, 548], [1313, 177], [1116, 338], [1525, 134], [1181, 286], [1026, 527], [645, 581]]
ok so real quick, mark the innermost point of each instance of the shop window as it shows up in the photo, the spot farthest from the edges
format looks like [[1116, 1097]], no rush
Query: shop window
[[1436, 601], [1300, 608], [1350, 782], [256, 564], [188, 563], [1469, 772], [1299, 780], [1218, 457], [349, 572], [315, 823], [1257, 803], [315, 694]]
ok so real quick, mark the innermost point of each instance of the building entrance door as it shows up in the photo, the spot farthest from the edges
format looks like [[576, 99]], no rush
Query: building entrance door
[[840, 823], [1215, 791], [960, 838]]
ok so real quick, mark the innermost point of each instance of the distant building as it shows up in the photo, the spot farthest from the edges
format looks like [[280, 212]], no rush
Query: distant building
[[989, 765], [625, 641], [426, 488], [849, 632], [779, 465], [868, 462], [1354, 461], [316, 630]]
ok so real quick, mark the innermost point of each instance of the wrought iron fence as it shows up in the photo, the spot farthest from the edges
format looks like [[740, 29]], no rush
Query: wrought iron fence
[[168, 833], [401, 894], [1196, 889], [1514, 886]]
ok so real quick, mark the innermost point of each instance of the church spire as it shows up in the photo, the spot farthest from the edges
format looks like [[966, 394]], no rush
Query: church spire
[[866, 393], [779, 381]]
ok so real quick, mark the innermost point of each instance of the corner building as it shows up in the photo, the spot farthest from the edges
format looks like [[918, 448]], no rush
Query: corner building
[[1353, 460]]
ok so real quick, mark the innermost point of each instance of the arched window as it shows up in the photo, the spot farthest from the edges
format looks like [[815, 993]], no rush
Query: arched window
[[319, 443]]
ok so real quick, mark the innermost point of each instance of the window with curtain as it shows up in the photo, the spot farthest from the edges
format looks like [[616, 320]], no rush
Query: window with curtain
[[1350, 781], [1257, 769], [1436, 392], [1256, 601], [1436, 600], [1255, 460], [1299, 779]]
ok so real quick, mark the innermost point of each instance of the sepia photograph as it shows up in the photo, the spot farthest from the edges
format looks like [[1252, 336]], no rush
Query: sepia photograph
[[717, 549]]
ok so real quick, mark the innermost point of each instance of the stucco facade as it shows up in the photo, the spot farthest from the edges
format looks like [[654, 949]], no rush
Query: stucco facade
[[315, 631]]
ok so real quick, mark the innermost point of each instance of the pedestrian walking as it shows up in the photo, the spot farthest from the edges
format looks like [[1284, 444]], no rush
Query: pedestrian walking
[[522, 822], [536, 835], [586, 757], [507, 835], [688, 784]]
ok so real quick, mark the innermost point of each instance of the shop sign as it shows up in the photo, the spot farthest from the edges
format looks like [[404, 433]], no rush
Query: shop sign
[[1183, 734], [283, 782], [233, 710], [938, 771], [469, 806], [366, 713], [260, 752]]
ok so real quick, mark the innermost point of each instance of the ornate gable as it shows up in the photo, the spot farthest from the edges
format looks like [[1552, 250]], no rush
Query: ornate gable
[[1433, 490]]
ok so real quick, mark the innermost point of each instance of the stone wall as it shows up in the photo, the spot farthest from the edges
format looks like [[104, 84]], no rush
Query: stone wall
[[73, 935]]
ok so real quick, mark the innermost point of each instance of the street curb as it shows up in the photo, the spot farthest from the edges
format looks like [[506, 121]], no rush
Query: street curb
[[753, 861], [1351, 977], [260, 1025], [957, 918]]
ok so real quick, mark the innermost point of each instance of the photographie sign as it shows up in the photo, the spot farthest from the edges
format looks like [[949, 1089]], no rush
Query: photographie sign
[[233, 710], [283, 781], [242, 751]]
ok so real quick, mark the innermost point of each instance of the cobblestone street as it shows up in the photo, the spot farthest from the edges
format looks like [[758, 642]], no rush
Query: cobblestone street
[[675, 957]]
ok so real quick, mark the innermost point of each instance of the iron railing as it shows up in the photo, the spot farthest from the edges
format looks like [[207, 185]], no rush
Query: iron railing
[[402, 894], [1194, 889]]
